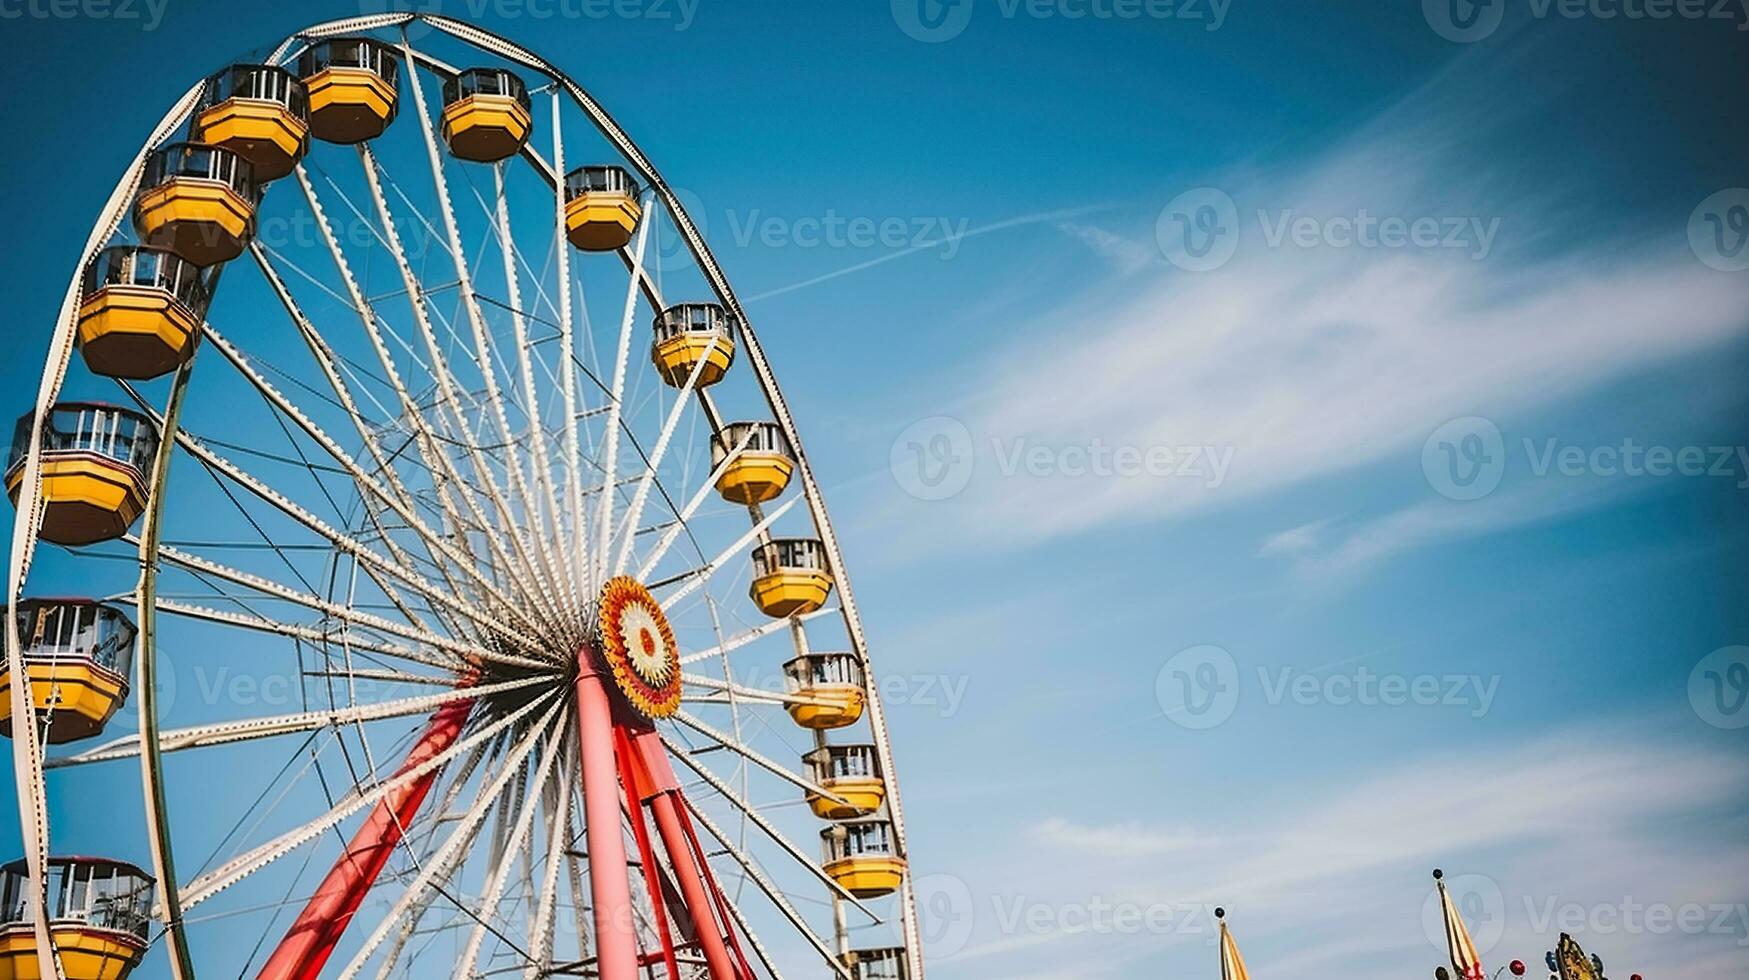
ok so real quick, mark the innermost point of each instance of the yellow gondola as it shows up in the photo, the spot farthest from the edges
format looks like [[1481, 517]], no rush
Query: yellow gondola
[[763, 469], [602, 211], [790, 577], [141, 312], [95, 458], [260, 112], [78, 654], [833, 685], [861, 858], [850, 772], [877, 964], [353, 86], [100, 912], [486, 115], [689, 333], [198, 201]]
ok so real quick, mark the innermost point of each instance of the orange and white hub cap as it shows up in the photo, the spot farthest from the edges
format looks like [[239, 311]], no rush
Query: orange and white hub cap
[[638, 646]]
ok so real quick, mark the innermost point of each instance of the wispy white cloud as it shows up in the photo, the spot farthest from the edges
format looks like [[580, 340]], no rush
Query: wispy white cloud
[[1338, 879], [1310, 361], [1361, 544]]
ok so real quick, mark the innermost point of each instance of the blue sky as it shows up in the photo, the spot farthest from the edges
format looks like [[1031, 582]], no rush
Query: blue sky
[[1025, 311]]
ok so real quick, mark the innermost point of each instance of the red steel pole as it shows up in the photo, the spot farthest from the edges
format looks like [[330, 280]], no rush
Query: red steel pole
[[610, 889], [653, 779], [312, 938]]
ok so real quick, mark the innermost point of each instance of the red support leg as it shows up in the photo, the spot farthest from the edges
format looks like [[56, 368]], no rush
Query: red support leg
[[652, 778], [616, 939], [312, 938]]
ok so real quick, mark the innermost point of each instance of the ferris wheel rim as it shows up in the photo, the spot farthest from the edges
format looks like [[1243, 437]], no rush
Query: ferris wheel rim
[[26, 532]]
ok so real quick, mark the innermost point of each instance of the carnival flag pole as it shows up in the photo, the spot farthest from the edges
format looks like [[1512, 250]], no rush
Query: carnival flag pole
[[1464, 958], [1232, 964]]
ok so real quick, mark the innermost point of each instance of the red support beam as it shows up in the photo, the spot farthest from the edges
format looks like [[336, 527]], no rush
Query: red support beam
[[610, 889], [312, 938]]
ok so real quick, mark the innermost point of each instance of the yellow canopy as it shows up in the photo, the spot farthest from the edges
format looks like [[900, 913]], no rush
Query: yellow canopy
[[1232, 964]]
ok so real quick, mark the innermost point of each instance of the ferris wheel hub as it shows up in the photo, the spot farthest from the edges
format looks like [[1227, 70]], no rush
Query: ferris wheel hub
[[636, 642]]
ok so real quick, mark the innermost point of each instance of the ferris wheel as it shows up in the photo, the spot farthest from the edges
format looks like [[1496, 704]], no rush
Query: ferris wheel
[[476, 445]]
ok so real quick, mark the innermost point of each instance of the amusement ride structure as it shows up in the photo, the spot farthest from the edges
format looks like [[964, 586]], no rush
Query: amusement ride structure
[[578, 669]]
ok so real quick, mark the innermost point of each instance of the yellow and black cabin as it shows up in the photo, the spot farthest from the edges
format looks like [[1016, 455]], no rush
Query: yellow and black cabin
[[762, 470], [260, 112], [832, 687], [95, 461], [141, 311], [198, 201], [887, 963], [487, 115], [100, 917], [78, 654], [353, 88], [863, 858], [601, 209], [688, 333], [790, 577], [850, 772]]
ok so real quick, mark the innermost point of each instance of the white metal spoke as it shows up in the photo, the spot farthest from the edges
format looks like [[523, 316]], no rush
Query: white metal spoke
[[702, 575], [756, 758], [615, 405], [237, 869], [453, 847], [225, 733], [500, 872], [634, 513], [699, 496]]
